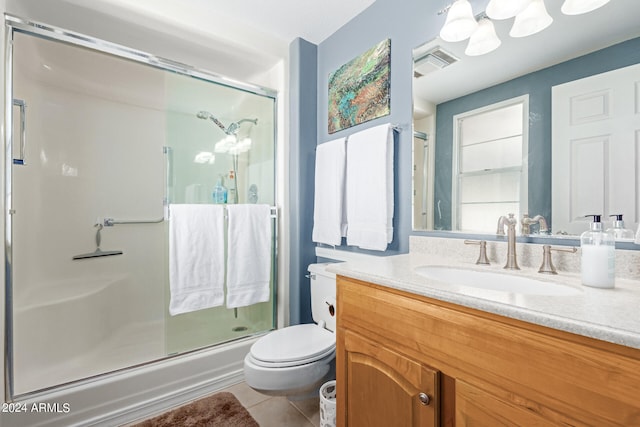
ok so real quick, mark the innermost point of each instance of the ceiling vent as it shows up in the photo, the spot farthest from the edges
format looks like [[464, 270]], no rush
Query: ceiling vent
[[433, 60]]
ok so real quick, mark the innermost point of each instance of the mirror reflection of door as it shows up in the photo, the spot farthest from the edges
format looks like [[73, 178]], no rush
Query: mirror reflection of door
[[596, 149], [490, 165]]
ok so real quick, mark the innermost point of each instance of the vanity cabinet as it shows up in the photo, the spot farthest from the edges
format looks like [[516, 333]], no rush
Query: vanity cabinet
[[475, 368]]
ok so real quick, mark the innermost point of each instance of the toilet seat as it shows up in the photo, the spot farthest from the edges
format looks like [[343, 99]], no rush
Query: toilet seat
[[293, 345]]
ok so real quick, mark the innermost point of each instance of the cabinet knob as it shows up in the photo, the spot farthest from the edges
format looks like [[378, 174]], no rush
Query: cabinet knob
[[424, 398]]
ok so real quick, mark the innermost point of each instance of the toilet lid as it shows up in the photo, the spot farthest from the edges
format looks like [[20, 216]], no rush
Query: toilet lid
[[299, 343]]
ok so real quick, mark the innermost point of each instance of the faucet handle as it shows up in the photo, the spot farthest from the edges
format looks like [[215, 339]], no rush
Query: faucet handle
[[482, 258], [547, 266], [525, 223]]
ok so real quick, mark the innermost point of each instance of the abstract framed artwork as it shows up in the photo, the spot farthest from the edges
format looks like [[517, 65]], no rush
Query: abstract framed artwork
[[359, 90]]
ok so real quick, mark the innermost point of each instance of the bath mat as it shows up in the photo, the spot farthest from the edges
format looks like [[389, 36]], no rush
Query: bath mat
[[218, 410]]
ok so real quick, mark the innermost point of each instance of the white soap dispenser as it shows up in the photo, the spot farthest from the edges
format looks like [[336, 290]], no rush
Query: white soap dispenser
[[598, 256], [618, 230]]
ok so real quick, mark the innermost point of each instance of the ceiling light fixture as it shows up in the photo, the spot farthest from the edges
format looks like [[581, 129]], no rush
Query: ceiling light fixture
[[531, 17], [531, 20], [505, 9], [577, 7], [460, 23], [484, 39]]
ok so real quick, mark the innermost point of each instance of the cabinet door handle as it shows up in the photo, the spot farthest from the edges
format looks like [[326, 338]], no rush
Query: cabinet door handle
[[424, 398]]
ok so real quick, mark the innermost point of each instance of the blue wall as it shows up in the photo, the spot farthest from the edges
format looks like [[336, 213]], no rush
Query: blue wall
[[408, 24], [538, 85], [302, 140]]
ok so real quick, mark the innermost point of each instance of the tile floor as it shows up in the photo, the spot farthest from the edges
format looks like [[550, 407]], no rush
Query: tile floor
[[277, 411]]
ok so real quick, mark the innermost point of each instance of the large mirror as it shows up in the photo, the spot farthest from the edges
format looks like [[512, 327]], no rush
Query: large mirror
[[512, 98]]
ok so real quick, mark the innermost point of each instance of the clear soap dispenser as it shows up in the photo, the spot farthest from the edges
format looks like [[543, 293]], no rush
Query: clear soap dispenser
[[618, 230], [598, 256]]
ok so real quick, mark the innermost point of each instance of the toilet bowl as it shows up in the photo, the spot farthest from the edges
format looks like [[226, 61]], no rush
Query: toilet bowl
[[295, 361]]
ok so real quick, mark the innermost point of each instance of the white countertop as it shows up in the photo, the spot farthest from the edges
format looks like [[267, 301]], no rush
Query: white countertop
[[611, 315]]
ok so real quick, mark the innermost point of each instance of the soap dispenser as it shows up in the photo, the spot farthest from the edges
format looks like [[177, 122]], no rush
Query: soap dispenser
[[219, 192], [618, 230], [598, 256]]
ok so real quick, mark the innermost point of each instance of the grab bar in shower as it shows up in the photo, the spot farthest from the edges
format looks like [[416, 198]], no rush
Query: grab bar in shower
[[23, 131], [110, 222]]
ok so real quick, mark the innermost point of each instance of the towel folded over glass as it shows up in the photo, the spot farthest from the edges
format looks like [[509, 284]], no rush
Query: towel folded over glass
[[249, 254], [196, 257]]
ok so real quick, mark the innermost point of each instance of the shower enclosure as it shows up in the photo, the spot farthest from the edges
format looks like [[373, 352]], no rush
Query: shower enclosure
[[104, 139]]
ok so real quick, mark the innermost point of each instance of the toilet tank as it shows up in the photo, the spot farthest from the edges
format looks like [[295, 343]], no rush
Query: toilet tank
[[323, 295]]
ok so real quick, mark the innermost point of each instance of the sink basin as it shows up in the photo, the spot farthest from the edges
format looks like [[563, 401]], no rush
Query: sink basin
[[495, 281]]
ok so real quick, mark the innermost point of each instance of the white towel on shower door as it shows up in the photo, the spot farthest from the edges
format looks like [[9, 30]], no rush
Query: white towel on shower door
[[248, 255], [196, 257]]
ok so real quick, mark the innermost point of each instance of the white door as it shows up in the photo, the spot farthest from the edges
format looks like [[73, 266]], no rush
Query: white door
[[595, 138]]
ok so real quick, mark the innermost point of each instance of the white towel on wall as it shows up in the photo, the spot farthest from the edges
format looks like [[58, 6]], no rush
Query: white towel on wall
[[248, 255], [370, 187], [196, 257], [329, 216]]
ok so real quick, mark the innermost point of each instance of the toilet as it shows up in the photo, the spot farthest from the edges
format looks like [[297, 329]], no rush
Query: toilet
[[295, 361]]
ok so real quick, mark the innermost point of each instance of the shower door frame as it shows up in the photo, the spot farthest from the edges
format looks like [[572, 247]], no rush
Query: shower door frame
[[17, 24]]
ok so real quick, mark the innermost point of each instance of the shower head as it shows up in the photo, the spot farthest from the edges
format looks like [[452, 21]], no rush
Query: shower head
[[232, 129]]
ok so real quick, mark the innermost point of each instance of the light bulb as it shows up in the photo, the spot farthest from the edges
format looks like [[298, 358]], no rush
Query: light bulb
[[505, 9], [576, 7], [483, 40], [460, 23], [531, 20]]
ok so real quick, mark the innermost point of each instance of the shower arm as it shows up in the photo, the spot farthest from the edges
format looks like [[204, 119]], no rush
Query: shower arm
[[254, 121]]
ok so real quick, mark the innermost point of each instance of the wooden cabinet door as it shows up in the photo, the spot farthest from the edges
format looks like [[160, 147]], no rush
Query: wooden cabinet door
[[478, 408], [385, 388]]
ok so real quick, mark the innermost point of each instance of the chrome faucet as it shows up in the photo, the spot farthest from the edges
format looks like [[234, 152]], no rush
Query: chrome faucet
[[538, 219], [510, 223]]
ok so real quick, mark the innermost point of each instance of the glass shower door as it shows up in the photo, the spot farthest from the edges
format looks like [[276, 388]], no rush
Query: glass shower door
[[110, 143], [202, 155]]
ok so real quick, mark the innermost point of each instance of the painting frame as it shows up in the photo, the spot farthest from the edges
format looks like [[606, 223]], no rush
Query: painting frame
[[360, 90]]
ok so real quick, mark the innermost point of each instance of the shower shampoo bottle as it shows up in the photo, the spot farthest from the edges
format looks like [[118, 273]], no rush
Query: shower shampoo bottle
[[597, 265], [219, 192]]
